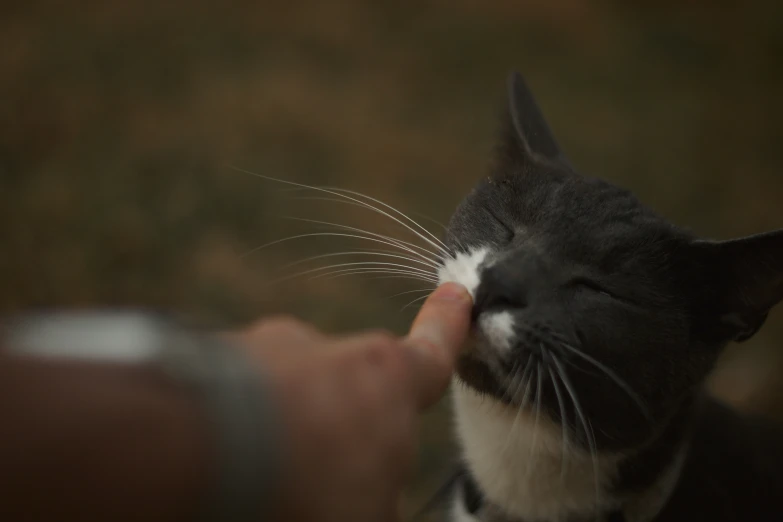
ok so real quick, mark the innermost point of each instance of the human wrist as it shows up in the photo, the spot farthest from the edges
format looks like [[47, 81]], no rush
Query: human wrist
[[212, 380], [246, 422], [99, 441]]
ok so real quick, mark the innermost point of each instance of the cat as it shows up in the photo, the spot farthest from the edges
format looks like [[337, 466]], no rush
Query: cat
[[596, 321]]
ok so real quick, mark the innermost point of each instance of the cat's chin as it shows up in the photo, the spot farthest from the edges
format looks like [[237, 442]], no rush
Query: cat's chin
[[477, 375]]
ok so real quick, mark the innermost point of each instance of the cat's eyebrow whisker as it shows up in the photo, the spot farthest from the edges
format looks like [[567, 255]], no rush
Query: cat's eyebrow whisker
[[609, 373], [399, 243], [585, 424], [359, 252], [442, 247]]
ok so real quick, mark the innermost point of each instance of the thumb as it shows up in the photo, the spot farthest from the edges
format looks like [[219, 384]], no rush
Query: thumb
[[435, 340]]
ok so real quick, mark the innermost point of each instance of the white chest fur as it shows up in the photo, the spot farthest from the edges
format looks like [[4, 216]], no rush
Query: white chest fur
[[522, 465]]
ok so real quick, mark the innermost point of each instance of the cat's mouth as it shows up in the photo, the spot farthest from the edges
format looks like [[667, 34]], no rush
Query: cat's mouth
[[477, 374], [476, 368], [475, 371]]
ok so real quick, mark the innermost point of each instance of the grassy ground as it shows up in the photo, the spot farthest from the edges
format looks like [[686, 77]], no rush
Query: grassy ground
[[120, 121]]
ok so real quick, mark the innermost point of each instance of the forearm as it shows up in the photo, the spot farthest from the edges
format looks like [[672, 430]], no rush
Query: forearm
[[88, 441]]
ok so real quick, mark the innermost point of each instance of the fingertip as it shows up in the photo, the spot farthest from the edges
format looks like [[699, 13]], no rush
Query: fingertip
[[451, 291], [444, 319]]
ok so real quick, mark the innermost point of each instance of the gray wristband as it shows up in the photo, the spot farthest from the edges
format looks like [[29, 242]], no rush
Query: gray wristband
[[239, 408]]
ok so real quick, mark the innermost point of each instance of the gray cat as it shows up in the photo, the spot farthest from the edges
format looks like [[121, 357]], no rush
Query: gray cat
[[596, 323]]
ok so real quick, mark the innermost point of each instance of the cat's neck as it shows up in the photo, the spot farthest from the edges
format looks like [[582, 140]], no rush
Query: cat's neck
[[524, 466]]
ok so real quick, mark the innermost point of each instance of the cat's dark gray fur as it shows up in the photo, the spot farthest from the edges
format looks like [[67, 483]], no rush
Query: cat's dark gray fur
[[579, 262]]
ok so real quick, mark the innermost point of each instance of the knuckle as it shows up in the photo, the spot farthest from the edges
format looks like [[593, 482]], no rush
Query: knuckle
[[281, 324], [386, 351], [381, 338]]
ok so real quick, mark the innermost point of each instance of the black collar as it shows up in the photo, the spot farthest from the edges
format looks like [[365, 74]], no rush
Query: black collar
[[474, 501]]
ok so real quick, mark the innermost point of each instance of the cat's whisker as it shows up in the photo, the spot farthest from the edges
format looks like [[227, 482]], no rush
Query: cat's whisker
[[514, 370], [528, 387], [515, 378], [526, 378], [358, 264], [585, 424], [523, 404], [363, 205], [414, 301], [533, 452], [509, 397], [410, 292], [594, 453], [356, 253], [442, 247], [433, 281], [371, 264], [431, 220], [609, 373], [317, 234], [563, 420], [386, 275], [404, 245], [445, 229], [581, 368], [386, 205], [385, 271], [345, 202], [372, 272]]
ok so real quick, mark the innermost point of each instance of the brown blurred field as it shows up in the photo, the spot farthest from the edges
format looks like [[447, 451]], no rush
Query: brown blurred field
[[120, 121]]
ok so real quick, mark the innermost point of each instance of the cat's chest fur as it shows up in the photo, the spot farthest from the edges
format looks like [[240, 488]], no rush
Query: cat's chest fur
[[522, 464], [526, 468]]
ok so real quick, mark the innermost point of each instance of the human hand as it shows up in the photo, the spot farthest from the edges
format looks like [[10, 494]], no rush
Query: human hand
[[349, 406]]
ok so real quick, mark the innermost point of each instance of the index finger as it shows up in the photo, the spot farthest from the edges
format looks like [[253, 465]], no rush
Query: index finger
[[436, 338]]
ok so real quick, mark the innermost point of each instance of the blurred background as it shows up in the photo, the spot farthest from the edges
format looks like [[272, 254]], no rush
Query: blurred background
[[121, 122]]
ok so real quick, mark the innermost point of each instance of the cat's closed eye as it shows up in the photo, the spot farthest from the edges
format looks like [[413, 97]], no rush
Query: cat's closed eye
[[509, 232], [592, 286]]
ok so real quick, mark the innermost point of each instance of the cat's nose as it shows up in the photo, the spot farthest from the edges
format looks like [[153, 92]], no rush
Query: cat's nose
[[499, 289]]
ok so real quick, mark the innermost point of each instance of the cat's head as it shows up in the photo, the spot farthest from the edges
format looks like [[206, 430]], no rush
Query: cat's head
[[587, 303]]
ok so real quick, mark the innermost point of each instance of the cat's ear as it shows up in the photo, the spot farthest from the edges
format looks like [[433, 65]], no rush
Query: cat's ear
[[526, 135], [746, 276]]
